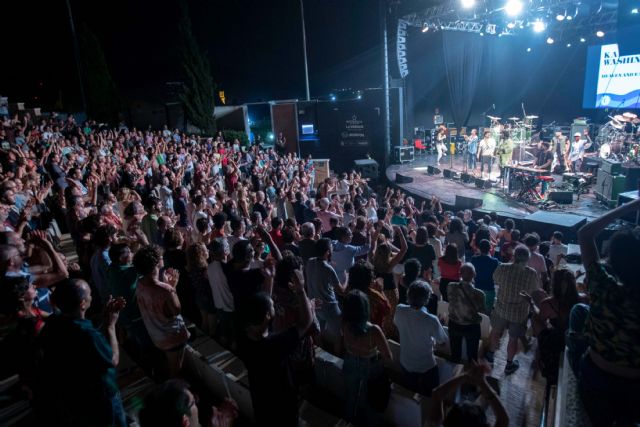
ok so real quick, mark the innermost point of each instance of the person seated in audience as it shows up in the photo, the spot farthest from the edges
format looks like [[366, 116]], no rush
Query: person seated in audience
[[160, 307], [449, 265], [267, 355], [609, 380], [365, 350], [465, 305], [467, 414], [512, 309], [76, 378], [172, 404], [419, 331]]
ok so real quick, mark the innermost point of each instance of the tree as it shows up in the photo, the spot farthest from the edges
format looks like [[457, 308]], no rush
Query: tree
[[199, 90], [103, 103]]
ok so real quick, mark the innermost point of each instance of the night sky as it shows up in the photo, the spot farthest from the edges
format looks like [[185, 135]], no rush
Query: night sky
[[255, 47]]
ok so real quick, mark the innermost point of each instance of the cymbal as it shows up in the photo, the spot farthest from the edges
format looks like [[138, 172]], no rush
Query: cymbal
[[616, 125], [620, 118], [629, 115], [493, 117], [531, 117], [514, 118], [635, 121]]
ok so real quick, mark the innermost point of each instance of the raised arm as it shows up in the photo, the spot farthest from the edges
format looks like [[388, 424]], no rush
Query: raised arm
[[403, 247]]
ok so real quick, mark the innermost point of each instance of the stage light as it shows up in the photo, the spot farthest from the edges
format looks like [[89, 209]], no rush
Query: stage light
[[582, 40], [425, 28], [270, 136], [528, 49], [513, 7], [569, 18], [468, 4], [511, 25], [568, 44], [560, 17], [359, 96], [332, 97], [600, 33], [550, 40], [481, 34], [634, 11], [539, 26]]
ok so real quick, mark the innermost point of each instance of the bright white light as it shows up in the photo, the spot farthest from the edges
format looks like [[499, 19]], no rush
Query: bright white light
[[425, 28], [539, 26], [528, 49], [359, 96], [550, 40], [569, 18], [513, 7], [568, 44], [511, 25], [481, 34], [600, 33], [582, 40], [333, 97], [270, 136], [560, 17], [468, 4], [634, 11]]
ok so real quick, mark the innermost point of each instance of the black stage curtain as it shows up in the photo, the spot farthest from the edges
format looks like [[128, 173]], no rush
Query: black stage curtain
[[462, 60]]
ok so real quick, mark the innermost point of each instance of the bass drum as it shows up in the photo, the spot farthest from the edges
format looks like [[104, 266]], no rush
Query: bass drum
[[608, 149], [605, 151]]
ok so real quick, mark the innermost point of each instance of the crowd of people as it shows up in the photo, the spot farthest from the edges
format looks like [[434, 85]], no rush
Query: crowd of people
[[177, 235]]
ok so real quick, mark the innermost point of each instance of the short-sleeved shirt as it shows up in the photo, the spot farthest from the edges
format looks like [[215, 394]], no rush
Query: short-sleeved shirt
[[426, 254], [122, 281], [613, 326], [511, 280], [222, 296], [273, 394], [325, 218], [343, 257], [166, 329], [321, 281], [485, 266], [465, 303], [99, 264], [243, 283], [418, 330]]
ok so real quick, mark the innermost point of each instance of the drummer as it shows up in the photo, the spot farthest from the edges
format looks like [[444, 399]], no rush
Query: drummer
[[576, 152]]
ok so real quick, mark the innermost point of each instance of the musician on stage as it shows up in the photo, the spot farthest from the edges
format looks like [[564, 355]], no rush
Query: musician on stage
[[441, 147], [543, 162], [560, 146], [504, 152], [472, 149], [486, 151], [576, 153]]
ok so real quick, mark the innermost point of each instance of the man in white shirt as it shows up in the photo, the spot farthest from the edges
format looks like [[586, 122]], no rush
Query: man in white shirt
[[419, 331], [222, 296], [486, 150], [576, 153], [558, 248]]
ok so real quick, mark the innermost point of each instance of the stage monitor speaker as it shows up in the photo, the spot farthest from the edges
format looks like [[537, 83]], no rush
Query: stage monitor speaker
[[368, 168], [467, 177], [403, 179], [449, 173], [608, 187], [483, 183], [545, 223], [562, 197], [463, 202], [432, 170]]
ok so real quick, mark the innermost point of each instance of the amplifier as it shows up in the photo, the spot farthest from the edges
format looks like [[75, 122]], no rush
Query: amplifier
[[403, 154], [368, 168], [612, 167], [563, 197], [608, 187]]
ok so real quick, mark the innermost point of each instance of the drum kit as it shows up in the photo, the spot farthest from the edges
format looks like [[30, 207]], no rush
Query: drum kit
[[519, 129], [618, 139]]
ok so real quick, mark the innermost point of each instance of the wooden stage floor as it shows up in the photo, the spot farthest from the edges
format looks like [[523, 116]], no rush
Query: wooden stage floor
[[493, 199]]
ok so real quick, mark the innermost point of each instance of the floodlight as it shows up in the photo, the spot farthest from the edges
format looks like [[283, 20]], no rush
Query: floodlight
[[513, 7], [600, 33], [539, 26], [550, 40]]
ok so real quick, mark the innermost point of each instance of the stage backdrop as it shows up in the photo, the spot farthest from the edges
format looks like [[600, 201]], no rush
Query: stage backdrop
[[466, 75]]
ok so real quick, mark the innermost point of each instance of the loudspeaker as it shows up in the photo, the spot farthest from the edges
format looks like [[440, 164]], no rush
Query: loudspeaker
[[450, 174], [563, 197], [467, 177], [611, 167], [608, 186], [403, 179], [463, 202], [432, 170], [545, 223], [483, 183], [368, 168]]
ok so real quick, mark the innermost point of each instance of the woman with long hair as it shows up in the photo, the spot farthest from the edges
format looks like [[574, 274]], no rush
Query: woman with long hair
[[366, 347], [457, 236], [449, 265], [361, 278]]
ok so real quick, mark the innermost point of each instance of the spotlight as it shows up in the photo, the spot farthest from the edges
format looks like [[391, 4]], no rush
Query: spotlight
[[582, 40], [568, 44], [332, 97], [513, 7], [425, 28], [511, 25], [468, 4], [560, 17], [539, 26], [270, 136], [600, 33], [481, 34], [634, 11], [528, 49], [550, 40], [359, 96], [569, 18]]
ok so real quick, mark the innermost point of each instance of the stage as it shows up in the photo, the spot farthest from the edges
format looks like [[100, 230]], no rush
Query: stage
[[495, 198]]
